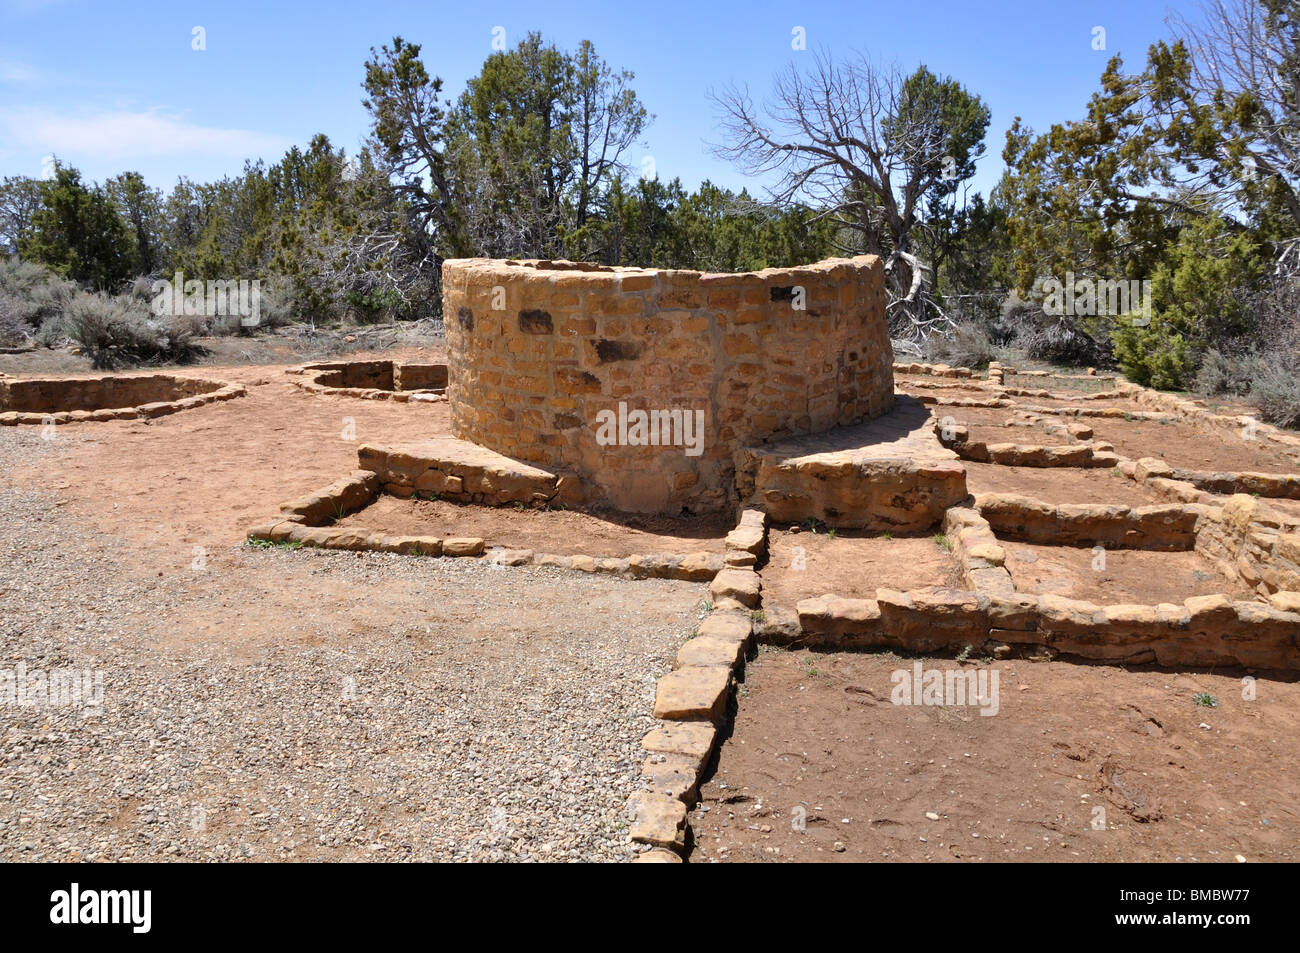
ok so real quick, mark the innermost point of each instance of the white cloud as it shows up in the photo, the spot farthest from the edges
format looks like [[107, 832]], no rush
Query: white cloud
[[126, 135]]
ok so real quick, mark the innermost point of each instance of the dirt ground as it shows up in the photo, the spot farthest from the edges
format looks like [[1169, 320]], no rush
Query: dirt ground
[[853, 565], [1126, 577], [944, 395], [1060, 383], [978, 416], [1126, 404], [1059, 484], [878, 781], [1192, 447], [561, 532], [997, 433]]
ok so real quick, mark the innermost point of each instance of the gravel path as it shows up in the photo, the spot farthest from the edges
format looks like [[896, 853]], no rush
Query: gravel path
[[275, 704]]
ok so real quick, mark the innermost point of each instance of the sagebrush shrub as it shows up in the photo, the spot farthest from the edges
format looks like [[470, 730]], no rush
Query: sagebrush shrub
[[1275, 389], [39, 292], [14, 327], [116, 331], [969, 345]]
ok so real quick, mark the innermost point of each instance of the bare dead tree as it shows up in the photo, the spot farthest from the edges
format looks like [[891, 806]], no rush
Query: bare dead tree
[[856, 140], [608, 119], [377, 250], [504, 208]]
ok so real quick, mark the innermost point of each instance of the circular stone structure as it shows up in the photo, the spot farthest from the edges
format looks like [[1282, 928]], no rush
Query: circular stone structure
[[644, 383], [376, 380], [71, 399]]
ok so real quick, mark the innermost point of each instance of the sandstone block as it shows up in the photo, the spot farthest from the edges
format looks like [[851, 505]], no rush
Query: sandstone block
[[687, 739], [673, 775], [657, 856], [741, 585], [726, 626], [693, 693], [1286, 601], [657, 819], [707, 651], [463, 546]]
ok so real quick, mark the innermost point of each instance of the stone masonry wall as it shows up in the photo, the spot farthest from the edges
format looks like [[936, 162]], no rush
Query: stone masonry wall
[[1251, 541], [379, 375], [538, 349], [96, 393]]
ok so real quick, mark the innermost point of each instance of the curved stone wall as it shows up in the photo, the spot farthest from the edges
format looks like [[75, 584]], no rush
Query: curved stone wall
[[72, 399], [604, 373], [375, 380]]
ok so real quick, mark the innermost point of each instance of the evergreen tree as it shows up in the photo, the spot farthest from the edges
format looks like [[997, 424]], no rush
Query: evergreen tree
[[79, 234]]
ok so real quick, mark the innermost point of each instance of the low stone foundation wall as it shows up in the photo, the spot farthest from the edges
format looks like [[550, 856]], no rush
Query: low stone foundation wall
[[1245, 539], [1160, 527], [1202, 631], [1272, 485], [69, 400], [461, 471], [894, 495], [932, 370], [375, 380], [308, 521], [1248, 540], [957, 439], [890, 473]]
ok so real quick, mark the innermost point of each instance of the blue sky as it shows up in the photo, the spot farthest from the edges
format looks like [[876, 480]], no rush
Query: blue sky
[[110, 86]]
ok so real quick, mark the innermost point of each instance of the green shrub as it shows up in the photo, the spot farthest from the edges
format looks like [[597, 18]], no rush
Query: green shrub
[[1156, 355], [1200, 301]]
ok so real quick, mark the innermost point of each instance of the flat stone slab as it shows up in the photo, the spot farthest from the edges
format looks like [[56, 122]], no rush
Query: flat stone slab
[[657, 819], [742, 585], [657, 856], [886, 473], [747, 538], [905, 433], [692, 738], [693, 693], [459, 470], [463, 546], [732, 626], [672, 774], [708, 651], [750, 534]]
